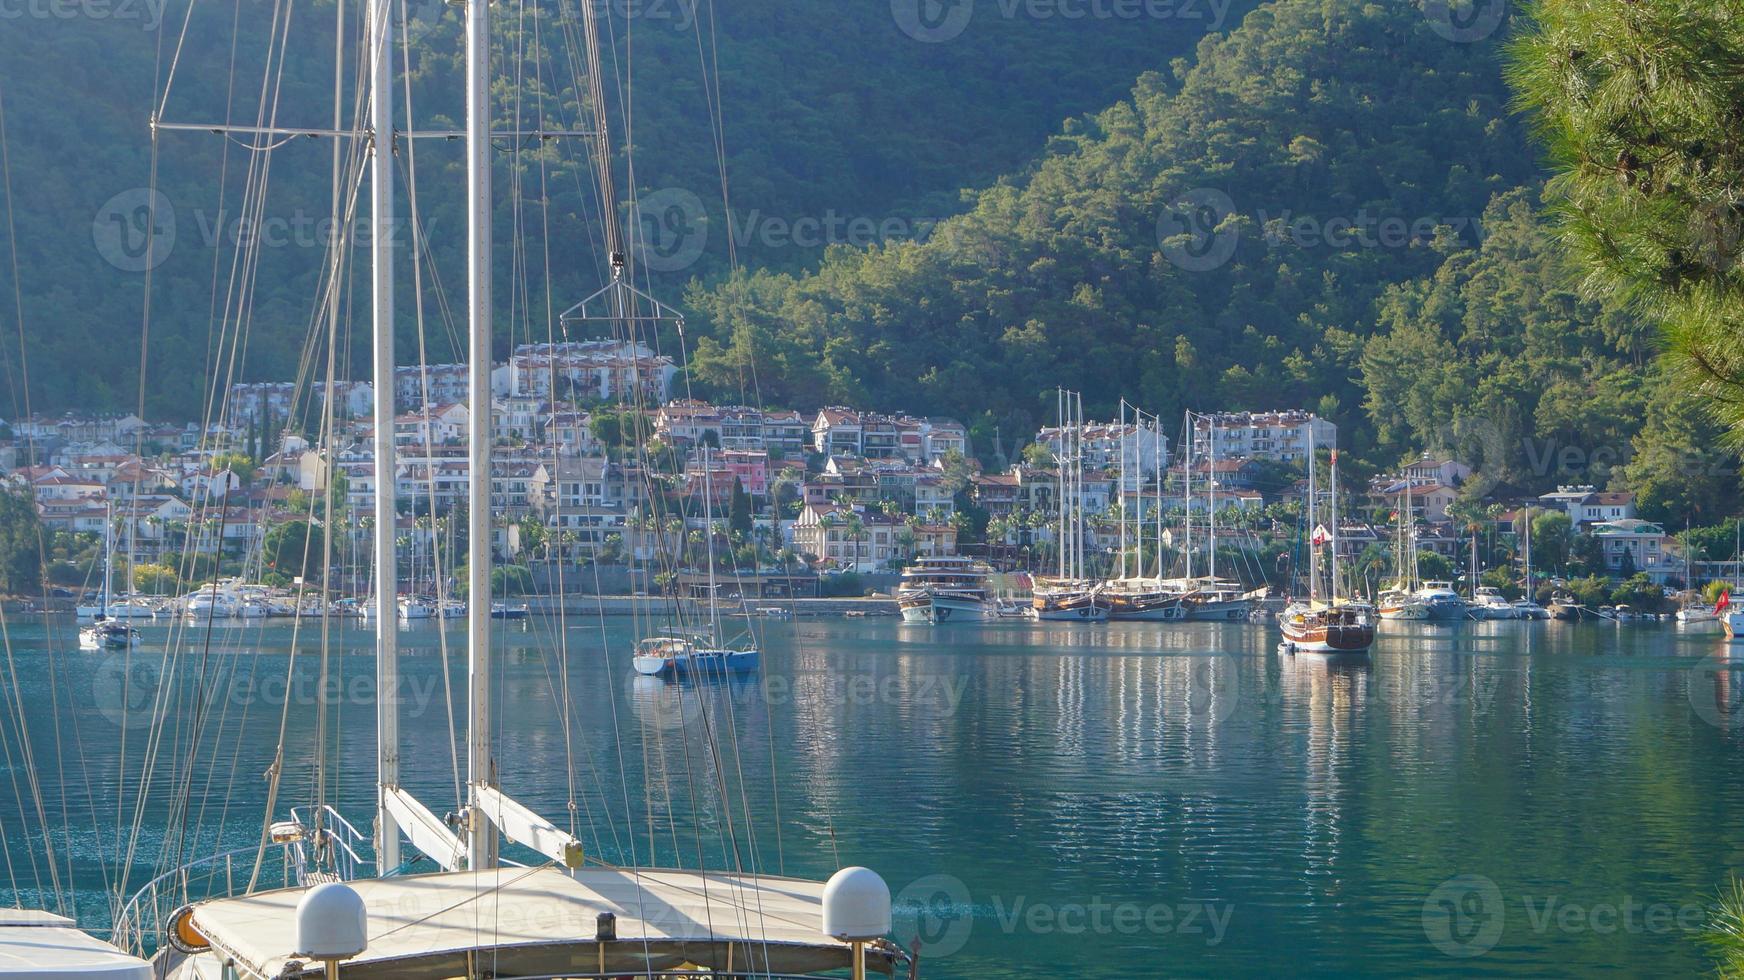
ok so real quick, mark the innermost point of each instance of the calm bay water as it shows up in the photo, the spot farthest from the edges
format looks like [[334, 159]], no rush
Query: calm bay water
[[1112, 801]]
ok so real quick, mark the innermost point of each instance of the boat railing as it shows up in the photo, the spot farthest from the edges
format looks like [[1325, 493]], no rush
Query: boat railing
[[330, 851]]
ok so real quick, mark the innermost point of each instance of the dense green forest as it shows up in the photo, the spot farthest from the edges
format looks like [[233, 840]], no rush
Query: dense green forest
[[827, 109], [1325, 203]]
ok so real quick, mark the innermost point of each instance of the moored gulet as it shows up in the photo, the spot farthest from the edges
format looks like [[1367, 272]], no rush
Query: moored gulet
[[1070, 596], [946, 590], [1337, 625], [479, 914]]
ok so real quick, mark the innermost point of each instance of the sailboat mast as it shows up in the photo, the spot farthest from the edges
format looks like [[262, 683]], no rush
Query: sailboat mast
[[1187, 497], [708, 530], [387, 586], [1313, 548], [1332, 532], [1211, 499], [1121, 488], [1060, 477], [108, 556], [1162, 467], [481, 833]]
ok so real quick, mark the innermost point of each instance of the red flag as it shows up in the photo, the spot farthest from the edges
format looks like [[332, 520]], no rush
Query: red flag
[[1725, 600]]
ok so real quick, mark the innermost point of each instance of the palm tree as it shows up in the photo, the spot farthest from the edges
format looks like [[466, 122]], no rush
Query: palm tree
[[856, 531]]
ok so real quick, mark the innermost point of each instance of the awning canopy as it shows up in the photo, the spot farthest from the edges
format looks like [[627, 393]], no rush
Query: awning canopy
[[40, 945], [544, 921]]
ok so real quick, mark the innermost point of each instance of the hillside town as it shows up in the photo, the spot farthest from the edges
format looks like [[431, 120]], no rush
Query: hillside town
[[598, 461]]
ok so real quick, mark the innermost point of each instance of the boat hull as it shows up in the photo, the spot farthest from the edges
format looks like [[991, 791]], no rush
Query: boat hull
[[1172, 613], [1075, 614], [703, 663], [1732, 622], [1219, 611], [1339, 630], [938, 610]]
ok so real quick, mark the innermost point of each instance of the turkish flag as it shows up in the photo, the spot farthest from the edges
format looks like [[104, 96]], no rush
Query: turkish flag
[[1725, 600]]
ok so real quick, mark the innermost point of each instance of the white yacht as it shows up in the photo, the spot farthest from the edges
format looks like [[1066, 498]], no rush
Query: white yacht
[[1489, 603], [1444, 604], [946, 590], [1530, 609], [1401, 605], [414, 607], [209, 603]]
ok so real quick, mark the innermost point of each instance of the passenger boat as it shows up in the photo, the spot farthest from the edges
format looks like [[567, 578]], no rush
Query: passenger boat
[[946, 590]]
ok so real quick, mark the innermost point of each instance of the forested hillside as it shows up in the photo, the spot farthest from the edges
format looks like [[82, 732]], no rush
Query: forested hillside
[[828, 109], [1332, 207]]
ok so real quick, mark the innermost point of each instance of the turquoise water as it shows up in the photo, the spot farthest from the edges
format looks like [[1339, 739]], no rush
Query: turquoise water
[[1111, 801]]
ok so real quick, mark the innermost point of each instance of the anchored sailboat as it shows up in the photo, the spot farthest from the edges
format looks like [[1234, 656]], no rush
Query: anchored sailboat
[[1337, 625]]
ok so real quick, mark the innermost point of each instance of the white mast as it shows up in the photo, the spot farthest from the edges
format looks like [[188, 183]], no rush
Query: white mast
[[1332, 532], [1211, 499], [1531, 593], [1187, 497], [108, 557], [1313, 549], [481, 833], [708, 529], [381, 213], [1060, 476], [1162, 466], [1121, 487]]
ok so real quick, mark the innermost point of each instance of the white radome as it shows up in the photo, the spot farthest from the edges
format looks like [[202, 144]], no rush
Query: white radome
[[332, 923], [856, 905]]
